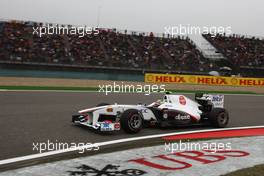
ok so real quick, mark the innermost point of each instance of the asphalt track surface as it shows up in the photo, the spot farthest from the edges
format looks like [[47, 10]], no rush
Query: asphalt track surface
[[30, 117]]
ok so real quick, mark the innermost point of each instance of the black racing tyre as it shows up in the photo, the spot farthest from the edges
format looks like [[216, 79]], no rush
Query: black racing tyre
[[102, 104], [219, 117], [131, 121], [75, 118]]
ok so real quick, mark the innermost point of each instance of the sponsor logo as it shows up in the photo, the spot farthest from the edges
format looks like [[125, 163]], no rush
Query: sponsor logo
[[217, 98], [182, 100], [108, 170], [167, 79], [106, 126], [182, 117], [143, 110], [117, 126], [251, 82], [213, 81], [182, 160], [200, 79], [167, 162]]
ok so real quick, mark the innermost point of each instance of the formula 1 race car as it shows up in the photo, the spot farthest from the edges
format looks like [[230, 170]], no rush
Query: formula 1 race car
[[172, 110]]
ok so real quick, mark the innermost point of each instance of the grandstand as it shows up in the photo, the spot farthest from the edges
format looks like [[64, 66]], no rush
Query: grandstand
[[125, 51], [111, 48], [245, 52]]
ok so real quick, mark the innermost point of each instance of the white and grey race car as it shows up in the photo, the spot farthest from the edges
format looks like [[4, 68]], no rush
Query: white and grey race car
[[172, 110]]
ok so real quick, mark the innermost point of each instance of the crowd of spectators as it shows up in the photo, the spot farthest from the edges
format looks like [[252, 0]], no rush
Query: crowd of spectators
[[240, 50], [110, 48]]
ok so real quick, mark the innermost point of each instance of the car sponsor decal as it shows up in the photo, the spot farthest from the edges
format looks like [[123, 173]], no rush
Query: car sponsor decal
[[106, 126], [218, 100], [145, 110], [117, 126], [182, 117]]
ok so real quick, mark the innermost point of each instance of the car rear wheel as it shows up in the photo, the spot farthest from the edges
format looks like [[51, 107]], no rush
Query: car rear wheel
[[131, 121], [219, 117]]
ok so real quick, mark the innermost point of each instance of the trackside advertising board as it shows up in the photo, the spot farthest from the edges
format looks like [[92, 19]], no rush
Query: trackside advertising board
[[207, 80]]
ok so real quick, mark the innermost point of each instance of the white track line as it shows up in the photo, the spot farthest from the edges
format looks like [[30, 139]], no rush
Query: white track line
[[40, 155]]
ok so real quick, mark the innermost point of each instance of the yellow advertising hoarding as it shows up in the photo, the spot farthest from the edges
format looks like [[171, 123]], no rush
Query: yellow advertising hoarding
[[206, 80]]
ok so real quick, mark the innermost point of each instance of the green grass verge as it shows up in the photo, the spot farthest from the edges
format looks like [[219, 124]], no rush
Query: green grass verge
[[257, 170], [97, 89]]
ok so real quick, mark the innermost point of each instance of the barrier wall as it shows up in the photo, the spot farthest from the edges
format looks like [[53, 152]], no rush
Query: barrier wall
[[72, 74], [204, 80]]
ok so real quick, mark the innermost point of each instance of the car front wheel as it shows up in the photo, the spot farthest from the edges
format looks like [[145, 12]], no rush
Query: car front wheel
[[131, 121]]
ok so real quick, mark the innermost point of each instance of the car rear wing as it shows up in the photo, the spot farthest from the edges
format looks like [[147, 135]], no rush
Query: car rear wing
[[216, 99]]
